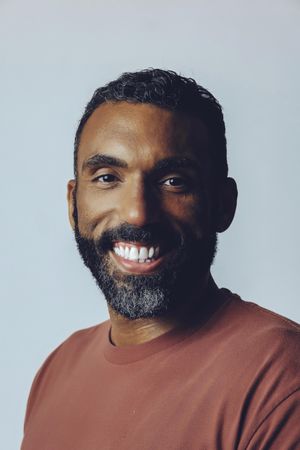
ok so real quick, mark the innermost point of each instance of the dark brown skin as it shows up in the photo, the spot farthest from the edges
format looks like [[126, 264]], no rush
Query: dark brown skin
[[141, 135]]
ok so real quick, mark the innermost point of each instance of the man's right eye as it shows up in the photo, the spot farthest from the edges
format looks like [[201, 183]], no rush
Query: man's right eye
[[105, 178]]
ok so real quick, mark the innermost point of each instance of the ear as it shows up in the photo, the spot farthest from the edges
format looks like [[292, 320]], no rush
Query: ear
[[226, 204], [71, 186]]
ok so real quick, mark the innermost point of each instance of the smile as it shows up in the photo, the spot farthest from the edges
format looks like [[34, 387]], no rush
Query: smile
[[136, 253], [137, 258]]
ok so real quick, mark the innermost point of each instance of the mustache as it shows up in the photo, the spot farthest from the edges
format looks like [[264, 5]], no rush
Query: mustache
[[148, 234]]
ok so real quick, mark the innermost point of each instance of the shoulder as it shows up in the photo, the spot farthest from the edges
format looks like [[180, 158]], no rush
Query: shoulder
[[85, 338], [264, 315], [259, 351], [266, 348], [75, 350], [261, 331], [258, 323], [77, 345], [259, 348]]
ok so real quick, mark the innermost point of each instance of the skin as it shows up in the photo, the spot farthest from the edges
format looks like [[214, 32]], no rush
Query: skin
[[141, 136]]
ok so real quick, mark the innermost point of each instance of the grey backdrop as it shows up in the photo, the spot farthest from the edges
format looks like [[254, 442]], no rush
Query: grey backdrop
[[53, 55]]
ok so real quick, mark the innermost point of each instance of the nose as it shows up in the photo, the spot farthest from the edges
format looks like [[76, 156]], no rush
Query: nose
[[139, 205]]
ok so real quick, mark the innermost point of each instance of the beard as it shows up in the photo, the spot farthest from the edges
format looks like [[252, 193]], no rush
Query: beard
[[159, 293]]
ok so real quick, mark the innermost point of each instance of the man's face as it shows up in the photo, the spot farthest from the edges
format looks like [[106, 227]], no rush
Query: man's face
[[142, 207]]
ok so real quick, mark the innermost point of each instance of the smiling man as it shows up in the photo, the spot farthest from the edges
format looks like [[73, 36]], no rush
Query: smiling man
[[181, 364]]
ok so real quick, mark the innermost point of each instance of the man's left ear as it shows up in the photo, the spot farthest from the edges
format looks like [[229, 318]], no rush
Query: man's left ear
[[226, 204]]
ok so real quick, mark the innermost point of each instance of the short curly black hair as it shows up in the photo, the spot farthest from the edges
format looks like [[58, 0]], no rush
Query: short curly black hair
[[166, 89]]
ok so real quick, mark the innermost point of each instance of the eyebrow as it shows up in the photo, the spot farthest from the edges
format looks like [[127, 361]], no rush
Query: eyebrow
[[100, 160], [171, 163]]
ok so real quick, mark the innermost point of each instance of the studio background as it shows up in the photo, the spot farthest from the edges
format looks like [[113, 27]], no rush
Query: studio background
[[54, 54]]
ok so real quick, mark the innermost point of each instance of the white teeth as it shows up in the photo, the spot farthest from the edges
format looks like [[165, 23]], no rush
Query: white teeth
[[143, 254], [133, 254]]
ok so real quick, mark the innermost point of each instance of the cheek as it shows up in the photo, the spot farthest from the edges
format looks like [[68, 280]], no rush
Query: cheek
[[94, 212], [190, 213]]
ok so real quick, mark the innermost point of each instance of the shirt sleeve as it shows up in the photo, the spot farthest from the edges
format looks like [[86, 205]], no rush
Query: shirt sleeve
[[280, 429]]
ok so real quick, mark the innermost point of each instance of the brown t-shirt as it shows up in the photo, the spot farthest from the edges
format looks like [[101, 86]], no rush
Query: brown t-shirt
[[232, 383]]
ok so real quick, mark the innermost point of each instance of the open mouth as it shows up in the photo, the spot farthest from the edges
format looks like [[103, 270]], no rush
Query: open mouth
[[136, 257], [137, 253]]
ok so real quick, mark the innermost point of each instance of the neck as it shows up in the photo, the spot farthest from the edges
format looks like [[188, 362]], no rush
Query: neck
[[125, 331]]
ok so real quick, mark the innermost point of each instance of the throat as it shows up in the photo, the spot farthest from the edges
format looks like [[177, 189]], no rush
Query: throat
[[126, 332]]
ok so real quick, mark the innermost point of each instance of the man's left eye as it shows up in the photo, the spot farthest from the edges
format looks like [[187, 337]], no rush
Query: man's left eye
[[175, 182]]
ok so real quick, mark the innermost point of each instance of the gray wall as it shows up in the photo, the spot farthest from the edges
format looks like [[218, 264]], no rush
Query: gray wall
[[53, 55]]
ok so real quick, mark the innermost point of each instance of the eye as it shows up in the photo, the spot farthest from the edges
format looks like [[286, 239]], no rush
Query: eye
[[174, 182], [106, 178]]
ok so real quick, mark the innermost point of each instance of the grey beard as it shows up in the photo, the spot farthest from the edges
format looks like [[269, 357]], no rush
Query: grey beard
[[154, 295], [135, 296]]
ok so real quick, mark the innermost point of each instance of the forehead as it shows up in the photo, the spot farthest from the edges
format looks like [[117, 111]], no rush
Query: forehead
[[142, 133]]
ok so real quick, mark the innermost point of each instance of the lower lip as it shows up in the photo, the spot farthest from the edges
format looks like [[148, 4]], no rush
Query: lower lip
[[136, 267]]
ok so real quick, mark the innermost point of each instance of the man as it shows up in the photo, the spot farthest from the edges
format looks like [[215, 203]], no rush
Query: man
[[181, 364]]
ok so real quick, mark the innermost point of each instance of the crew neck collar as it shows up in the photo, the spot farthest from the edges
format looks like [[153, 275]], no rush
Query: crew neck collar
[[132, 353]]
